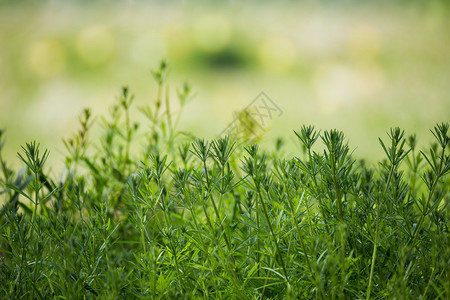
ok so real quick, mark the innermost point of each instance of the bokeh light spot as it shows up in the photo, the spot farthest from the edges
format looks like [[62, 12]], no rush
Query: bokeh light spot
[[96, 45], [339, 86], [46, 58]]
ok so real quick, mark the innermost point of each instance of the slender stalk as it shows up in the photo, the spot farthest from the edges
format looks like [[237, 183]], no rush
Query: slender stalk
[[395, 155], [202, 242], [216, 210], [377, 233], [337, 191], [171, 243], [297, 227], [266, 215], [36, 196], [425, 212], [430, 196]]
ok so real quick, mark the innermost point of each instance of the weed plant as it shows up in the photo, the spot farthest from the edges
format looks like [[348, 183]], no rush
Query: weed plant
[[169, 216]]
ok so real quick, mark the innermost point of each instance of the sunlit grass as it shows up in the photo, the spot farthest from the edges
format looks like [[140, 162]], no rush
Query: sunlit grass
[[146, 209]]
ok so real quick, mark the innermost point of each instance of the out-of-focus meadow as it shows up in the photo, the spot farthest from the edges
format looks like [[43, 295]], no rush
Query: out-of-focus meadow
[[361, 68]]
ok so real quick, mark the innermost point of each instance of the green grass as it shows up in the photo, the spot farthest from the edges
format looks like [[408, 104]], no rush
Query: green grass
[[152, 212]]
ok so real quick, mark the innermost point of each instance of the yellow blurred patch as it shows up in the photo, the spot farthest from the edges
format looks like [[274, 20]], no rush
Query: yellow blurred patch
[[96, 45], [228, 100], [46, 58], [278, 54], [364, 42], [212, 33], [178, 41]]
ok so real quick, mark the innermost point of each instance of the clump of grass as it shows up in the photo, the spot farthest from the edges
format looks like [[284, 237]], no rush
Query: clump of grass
[[187, 218]]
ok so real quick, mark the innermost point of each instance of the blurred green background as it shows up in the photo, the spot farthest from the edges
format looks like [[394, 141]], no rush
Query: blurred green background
[[359, 67]]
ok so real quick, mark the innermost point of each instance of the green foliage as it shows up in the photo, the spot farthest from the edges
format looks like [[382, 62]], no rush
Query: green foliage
[[189, 218]]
